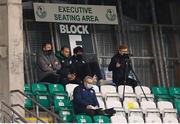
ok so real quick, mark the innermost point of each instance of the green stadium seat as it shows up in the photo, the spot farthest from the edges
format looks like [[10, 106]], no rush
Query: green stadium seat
[[174, 92], [101, 119], [177, 105], [83, 119], [61, 104], [28, 104], [41, 94], [66, 115], [57, 90], [161, 94]]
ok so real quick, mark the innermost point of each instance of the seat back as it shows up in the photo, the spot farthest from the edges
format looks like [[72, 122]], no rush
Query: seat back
[[136, 117], [147, 105], [173, 91], [128, 105], [66, 115], [113, 104], [159, 91], [96, 88], [83, 119], [118, 119], [139, 91], [61, 104], [162, 105], [55, 88], [101, 102], [128, 89], [39, 88], [107, 89], [101, 119], [27, 87], [70, 88], [153, 119]]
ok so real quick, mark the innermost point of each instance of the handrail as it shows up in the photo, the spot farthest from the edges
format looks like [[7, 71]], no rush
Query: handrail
[[34, 115], [34, 101], [2, 111], [10, 108]]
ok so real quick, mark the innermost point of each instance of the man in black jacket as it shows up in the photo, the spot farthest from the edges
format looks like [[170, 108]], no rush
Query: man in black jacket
[[64, 58], [120, 69], [79, 65], [67, 73]]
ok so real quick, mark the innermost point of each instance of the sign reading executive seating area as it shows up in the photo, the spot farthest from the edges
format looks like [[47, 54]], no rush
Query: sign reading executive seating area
[[73, 13]]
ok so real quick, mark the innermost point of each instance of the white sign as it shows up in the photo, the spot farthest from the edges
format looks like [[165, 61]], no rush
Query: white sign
[[75, 40], [73, 13], [73, 29]]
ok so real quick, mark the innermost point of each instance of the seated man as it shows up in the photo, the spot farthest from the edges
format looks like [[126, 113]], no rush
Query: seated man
[[48, 65], [85, 100], [79, 65], [64, 59], [82, 67]]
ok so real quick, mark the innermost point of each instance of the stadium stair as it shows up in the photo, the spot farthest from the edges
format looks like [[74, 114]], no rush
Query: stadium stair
[[49, 103]]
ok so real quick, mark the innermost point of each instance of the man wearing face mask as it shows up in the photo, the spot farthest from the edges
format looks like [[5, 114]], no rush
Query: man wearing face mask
[[85, 100], [48, 65], [79, 65], [117, 66]]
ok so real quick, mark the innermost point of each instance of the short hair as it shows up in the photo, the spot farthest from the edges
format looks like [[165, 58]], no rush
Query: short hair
[[62, 48], [87, 77], [46, 43], [123, 46], [78, 49]]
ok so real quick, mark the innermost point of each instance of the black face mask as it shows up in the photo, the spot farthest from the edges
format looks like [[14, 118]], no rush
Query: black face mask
[[48, 52]]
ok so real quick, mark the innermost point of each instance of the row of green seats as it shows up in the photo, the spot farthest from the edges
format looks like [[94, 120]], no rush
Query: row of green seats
[[95, 119], [171, 94], [162, 93], [44, 95], [52, 94]]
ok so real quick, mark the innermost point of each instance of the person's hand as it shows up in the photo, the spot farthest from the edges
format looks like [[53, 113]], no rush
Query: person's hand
[[49, 65], [96, 107], [89, 107], [118, 65], [56, 63]]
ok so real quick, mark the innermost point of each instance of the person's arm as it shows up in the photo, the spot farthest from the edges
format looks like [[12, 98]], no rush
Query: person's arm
[[56, 64], [112, 65], [44, 66], [96, 103], [78, 99]]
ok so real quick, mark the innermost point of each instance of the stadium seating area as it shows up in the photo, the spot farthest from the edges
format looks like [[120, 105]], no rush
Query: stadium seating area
[[163, 105]]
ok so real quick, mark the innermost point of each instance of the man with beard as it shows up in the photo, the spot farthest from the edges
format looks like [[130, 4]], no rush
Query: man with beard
[[48, 65]]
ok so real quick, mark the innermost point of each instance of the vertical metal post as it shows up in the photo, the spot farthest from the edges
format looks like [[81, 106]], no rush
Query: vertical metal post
[[164, 56], [121, 26], [155, 56], [27, 42], [158, 43], [52, 36]]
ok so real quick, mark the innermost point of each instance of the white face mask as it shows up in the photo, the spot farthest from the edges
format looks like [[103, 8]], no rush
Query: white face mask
[[88, 86]]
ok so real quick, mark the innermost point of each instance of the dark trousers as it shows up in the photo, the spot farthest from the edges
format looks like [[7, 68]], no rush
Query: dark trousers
[[51, 78], [129, 82], [92, 112]]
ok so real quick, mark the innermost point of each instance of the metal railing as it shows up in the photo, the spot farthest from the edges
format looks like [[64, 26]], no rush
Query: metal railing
[[26, 110], [38, 105], [15, 112], [4, 118]]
